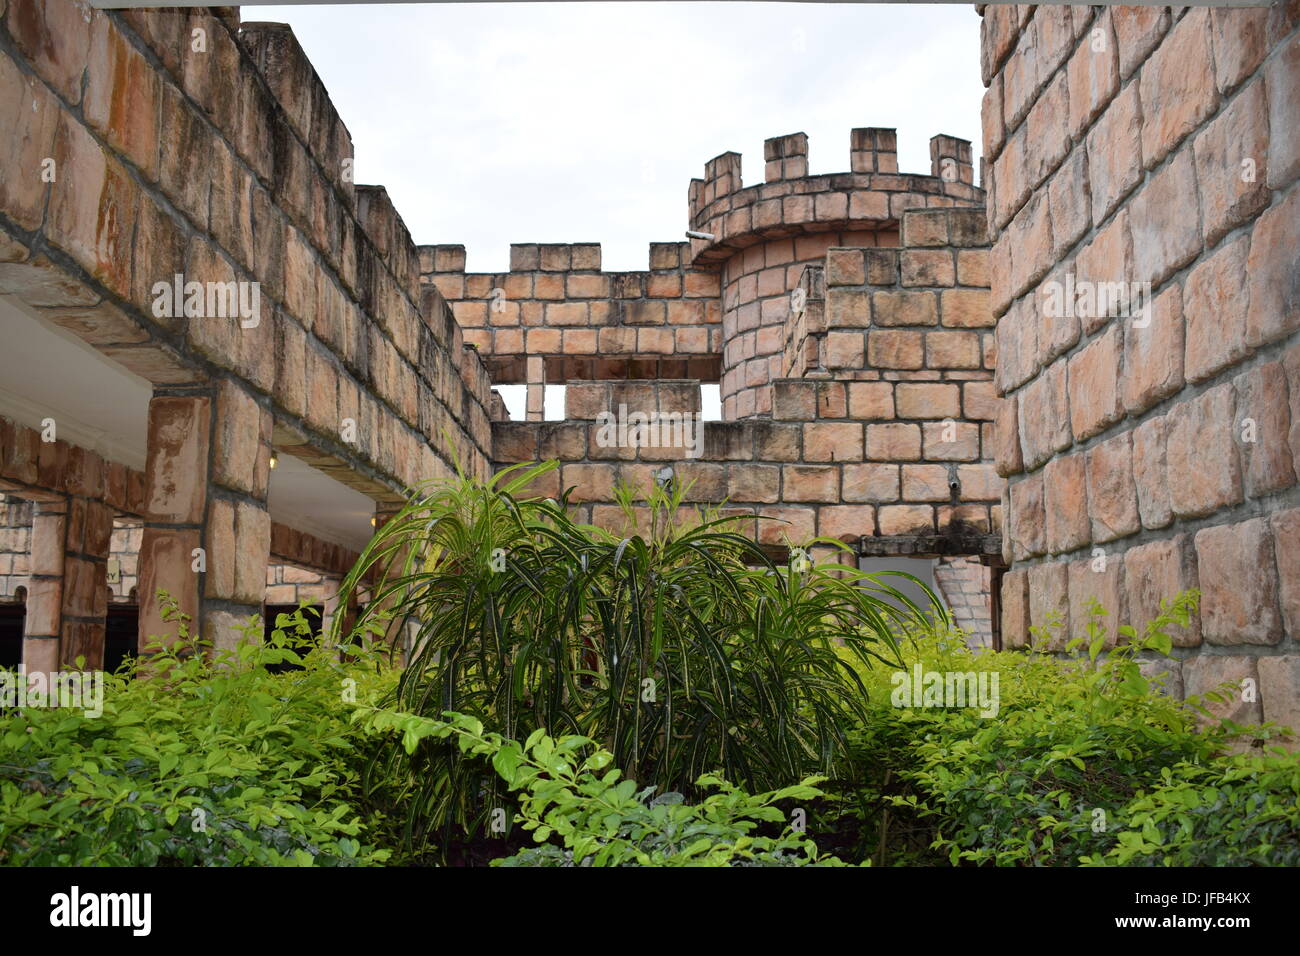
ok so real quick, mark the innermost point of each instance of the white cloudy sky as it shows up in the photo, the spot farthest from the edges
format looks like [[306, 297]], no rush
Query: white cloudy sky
[[577, 122]]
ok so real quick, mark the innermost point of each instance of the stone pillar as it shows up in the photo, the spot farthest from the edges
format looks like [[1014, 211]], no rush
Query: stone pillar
[[43, 626], [237, 535], [786, 157], [951, 159], [207, 533], [873, 149], [536, 389], [176, 493], [85, 581], [67, 594]]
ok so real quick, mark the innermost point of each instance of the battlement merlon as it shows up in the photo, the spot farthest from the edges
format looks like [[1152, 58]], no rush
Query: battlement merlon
[[951, 158], [873, 149], [786, 157]]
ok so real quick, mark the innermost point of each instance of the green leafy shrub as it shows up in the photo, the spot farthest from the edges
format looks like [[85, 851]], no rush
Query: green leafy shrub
[[1085, 761], [679, 647], [582, 812], [197, 759], [1239, 810]]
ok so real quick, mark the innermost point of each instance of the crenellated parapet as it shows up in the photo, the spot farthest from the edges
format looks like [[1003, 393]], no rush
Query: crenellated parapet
[[869, 198], [716, 306], [556, 317]]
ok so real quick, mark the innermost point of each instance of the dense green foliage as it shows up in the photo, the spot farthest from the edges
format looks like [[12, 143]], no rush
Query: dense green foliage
[[1234, 811], [667, 697], [1084, 762], [569, 791], [679, 647], [202, 760]]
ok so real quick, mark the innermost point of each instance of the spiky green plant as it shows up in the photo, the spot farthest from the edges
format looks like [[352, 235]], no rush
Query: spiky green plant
[[680, 647]]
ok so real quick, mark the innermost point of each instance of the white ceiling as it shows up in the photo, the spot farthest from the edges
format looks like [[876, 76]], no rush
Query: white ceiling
[[310, 500], [48, 372]]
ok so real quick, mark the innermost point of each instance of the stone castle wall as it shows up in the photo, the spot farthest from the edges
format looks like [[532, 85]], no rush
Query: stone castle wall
[[186, 143], [889, 448], [1151, 452], [712, 308], [893, 366]]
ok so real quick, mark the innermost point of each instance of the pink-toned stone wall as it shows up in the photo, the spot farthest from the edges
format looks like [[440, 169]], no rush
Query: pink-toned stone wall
[[766, 235], [888, 444], [223, 161], [713, 309], [556, 317], [756, 309], [1151, 452]]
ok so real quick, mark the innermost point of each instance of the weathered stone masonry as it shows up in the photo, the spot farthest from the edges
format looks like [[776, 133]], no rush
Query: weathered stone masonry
[[226, 163], [713, 309], [1152, 145], [895, 455], [861, 411], [888, 378], [847, 319]]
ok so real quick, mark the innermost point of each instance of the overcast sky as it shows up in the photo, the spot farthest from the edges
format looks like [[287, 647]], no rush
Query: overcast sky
[[585, 122]]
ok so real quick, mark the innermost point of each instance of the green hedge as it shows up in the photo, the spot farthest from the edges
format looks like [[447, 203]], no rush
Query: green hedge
[[582, 812], [1085, 762], [219, 761], [205, 761]]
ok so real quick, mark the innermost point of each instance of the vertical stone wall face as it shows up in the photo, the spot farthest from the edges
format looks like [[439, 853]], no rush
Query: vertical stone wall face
[[185, 143], [919, 313], [889, 450], [1151, 450], [757, 284], [556, 317]]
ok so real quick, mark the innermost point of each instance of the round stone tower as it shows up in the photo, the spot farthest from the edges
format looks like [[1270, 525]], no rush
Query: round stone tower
[[764, 236]]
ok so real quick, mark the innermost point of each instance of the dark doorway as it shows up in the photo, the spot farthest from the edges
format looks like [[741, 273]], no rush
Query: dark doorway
[[11, 634], [121, 638]]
